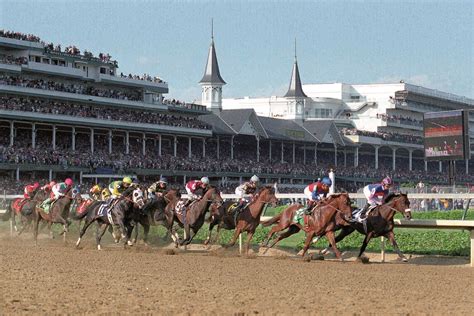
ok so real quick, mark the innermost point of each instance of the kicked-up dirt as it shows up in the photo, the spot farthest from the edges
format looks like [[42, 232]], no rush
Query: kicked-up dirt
[[56, 279]]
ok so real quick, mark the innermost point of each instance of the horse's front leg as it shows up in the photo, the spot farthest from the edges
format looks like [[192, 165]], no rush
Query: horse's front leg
[[332, 240], [237, 232], [391, 236], [208, 239], [146, 230], [187, 235], [247, 245], [307, 242]]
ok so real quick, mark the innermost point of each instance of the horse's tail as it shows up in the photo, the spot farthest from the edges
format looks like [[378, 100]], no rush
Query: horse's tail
[[271, 221], [8, 213]]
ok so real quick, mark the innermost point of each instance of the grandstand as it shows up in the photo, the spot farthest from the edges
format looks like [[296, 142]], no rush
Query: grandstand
[[63, 112]]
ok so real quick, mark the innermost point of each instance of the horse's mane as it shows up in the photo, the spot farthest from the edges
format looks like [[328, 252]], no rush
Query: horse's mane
[[392, 195], [268, 187]]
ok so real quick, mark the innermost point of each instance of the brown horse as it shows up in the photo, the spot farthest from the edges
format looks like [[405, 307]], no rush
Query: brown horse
[[164, 214], [380, 222], [249, 218], [193, 218], [24, 209], [322, 222], [58, 213]]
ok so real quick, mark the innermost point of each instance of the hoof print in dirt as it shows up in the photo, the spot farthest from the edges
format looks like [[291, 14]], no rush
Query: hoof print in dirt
[[170, 252], [317, 257], [364, 260]]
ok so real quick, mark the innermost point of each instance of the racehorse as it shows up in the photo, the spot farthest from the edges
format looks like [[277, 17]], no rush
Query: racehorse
[[24, 209], [249, 218], [322, 222], [193, 217], [97, 213], [164, 214], [380, 222], [58, 213]]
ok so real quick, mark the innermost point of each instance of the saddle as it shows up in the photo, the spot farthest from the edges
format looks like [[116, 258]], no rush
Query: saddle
[[18, 205], [302, 218], [47, 207], [231, 208]]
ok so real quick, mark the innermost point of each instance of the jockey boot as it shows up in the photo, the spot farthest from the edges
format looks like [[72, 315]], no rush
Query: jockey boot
[[45, 202], [363, 213], [309, 208]]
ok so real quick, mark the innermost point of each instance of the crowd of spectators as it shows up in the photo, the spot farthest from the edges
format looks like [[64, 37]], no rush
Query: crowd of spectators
[[99, 112], [10, 60], [400, 119], [387, 136], [144, 77], [20, 36], [38, 83]]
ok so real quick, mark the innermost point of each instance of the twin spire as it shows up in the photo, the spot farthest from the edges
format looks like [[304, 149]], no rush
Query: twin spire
[[211, 73], [295, 90]]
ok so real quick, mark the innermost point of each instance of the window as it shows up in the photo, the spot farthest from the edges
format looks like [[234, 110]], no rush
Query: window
[[323, 113], [102, 70], [37, 59], [355, 97]]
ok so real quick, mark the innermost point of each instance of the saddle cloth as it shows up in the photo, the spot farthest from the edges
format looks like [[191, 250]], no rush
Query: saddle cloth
[[105, 210]]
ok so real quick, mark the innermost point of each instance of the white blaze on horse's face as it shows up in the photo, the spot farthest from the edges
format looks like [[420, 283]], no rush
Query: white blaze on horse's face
[[137, 197]]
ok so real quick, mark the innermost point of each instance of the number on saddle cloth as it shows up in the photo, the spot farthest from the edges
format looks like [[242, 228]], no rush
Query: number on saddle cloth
[[232, 207], [299, 216]]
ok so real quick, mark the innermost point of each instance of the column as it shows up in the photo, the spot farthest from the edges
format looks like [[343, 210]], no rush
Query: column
[[143, 144], [54, 137], [410, 159], [345, 157], [258, 149], [80, 177], [218, 148], [304, 154], [376, 157], [316, 153], [232, 147], [175, 146], [33, 135], [270, 150], [12, 133], [73, 138], [394, 150], [335, 154], [203, 147], [294, 151], [426, 166], [332, 176], [356, 157], [467, 166], [440, 166], [127, 142], [282, 154], [17, 173], [189, 147], [110, 141], [50, 175], [92, 140], [159, 145]]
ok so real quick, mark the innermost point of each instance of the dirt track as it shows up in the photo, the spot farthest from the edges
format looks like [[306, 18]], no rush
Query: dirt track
[[52, 278]]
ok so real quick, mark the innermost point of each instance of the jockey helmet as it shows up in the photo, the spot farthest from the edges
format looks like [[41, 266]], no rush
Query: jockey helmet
[[326, 181], [95, 189], [205, 180], [127, 180], [68, 182], [387, 181], [254, 179], [52, 183], [163, 180], [36, 185]]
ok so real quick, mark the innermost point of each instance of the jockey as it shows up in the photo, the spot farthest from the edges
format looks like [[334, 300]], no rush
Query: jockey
[[30, 190], [105, 194], [95, 191], [246, 192], [158, 188], [192, 186], [48, 186], [376, 194], [317, 190], [58, 190], [116, 188]]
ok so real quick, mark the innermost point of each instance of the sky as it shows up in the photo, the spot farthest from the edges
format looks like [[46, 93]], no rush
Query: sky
[[427, 43]]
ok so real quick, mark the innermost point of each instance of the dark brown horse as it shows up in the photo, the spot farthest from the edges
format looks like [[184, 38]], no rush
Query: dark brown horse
[[96, 213], [380, 222], [322, 222], [193, 218], [249, 219], [58, 213]]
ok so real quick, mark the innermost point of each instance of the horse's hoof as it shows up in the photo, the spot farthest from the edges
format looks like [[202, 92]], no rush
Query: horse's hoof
[[99, 247], [130, 243], [78, 242]]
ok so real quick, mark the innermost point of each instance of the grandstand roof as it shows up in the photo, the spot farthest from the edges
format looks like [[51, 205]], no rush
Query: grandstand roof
[[212, 74], [244, 122], [325, 130], [286, 130], [219, 126]]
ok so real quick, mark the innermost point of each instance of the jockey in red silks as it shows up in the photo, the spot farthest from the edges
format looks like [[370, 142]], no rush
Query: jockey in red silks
[[30, 190], [193, 185], [48, 186], [317, 190], [375, 194]]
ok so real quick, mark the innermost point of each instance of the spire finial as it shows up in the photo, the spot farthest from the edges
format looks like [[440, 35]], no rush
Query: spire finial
[[212, 28], [295, 49]]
